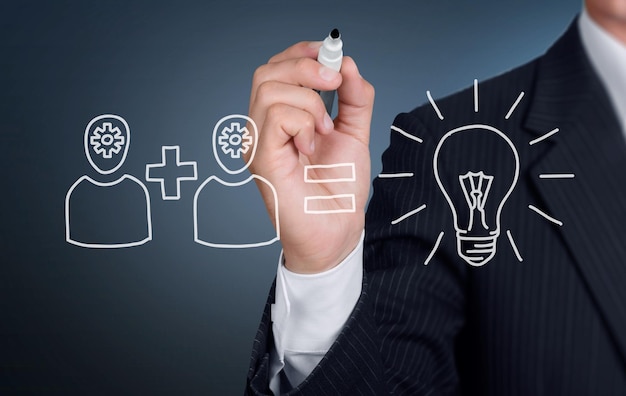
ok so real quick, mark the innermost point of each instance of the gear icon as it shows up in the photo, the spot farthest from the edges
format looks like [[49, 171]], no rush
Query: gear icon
[[235, 140], [107, 140]]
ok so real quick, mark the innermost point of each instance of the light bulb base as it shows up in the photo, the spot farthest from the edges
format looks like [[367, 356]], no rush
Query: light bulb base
[[476, 250]]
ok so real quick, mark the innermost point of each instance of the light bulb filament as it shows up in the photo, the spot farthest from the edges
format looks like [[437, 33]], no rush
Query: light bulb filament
[[476, 187]]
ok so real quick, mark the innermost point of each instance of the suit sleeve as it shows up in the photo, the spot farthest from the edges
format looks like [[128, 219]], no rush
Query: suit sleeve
[[352, 358], [400, 338]]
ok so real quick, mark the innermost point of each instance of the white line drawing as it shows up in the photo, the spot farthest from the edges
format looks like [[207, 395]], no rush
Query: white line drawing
[[233, 135], [434, 105], [544, 215], [350, 198], [432, 252], [234, 245], [475, 96], [107, 140], [543, 137], [512, 242], [556, 175], [406, 134], [234, 140], [476, 187], [512, 109], [341, 172], [106, 143], [339, 168], [151, 168], [104, 135], [86, 179], [476, 241], [395, 175], [409, 214]]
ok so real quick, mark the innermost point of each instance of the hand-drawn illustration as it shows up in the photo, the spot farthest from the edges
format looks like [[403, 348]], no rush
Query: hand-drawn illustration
[[330, 173], [170, 189], [476, 205], [233, 136], [107, 214], [235, 140], [400, 175], [476, 187], [474, 193]]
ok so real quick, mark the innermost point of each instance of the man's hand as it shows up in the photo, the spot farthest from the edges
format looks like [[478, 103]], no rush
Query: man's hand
[[295, 131]]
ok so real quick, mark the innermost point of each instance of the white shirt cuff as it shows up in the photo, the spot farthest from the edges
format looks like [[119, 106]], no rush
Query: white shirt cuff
[[309, 312]]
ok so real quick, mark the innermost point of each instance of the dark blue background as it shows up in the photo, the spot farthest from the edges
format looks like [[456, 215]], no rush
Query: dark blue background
[[173, 316]]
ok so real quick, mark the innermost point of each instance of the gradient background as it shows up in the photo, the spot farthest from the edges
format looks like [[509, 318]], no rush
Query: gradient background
[[172, 316]]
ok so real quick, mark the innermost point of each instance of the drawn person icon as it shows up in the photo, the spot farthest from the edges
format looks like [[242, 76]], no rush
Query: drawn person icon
[[107, 214], [224, 214]]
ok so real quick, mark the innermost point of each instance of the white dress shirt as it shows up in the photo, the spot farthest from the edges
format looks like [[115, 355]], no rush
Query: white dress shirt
[[310, 310], [308, 313], [608, 57]]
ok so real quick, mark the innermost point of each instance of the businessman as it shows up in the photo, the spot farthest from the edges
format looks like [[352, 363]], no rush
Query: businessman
[[402, 310]]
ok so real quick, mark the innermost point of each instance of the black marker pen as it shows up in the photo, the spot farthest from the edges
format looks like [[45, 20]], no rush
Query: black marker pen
[[330, 55]]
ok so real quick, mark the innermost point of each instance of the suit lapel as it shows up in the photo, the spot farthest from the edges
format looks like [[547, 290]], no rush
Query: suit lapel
[[589, 144]]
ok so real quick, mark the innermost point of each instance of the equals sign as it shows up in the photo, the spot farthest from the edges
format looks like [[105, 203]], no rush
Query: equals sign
[[334, 173]]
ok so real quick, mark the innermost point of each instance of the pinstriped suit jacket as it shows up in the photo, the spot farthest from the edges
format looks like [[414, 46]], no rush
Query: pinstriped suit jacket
[[551, 324]]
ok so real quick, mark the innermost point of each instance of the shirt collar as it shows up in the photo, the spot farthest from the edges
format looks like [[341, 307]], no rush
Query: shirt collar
[[608, 57]]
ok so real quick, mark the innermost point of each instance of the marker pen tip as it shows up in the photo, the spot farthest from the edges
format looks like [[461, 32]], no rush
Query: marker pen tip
[[335, 34]]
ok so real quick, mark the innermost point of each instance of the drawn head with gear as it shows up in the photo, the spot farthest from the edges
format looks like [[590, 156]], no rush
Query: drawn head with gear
[[234, 140], [107, 138]]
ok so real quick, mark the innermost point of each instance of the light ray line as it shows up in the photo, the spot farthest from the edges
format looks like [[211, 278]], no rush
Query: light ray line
[[406, 134], [514, 246], [556, 176], [512, 109], [544, 215], [394, 175], [407, 215], [475, 96], [432, 103], [432, 252], [547, 135]]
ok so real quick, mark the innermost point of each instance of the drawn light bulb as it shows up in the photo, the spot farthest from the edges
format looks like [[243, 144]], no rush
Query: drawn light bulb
[[476, 186]]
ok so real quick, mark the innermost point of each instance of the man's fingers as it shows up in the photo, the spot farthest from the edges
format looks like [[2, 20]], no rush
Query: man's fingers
[[303, 49], [272, 92], [356, 101], [303, 72], [283, 123], [355, 90]]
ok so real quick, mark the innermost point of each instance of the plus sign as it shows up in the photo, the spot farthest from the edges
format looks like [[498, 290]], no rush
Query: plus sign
[[170, 175]]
